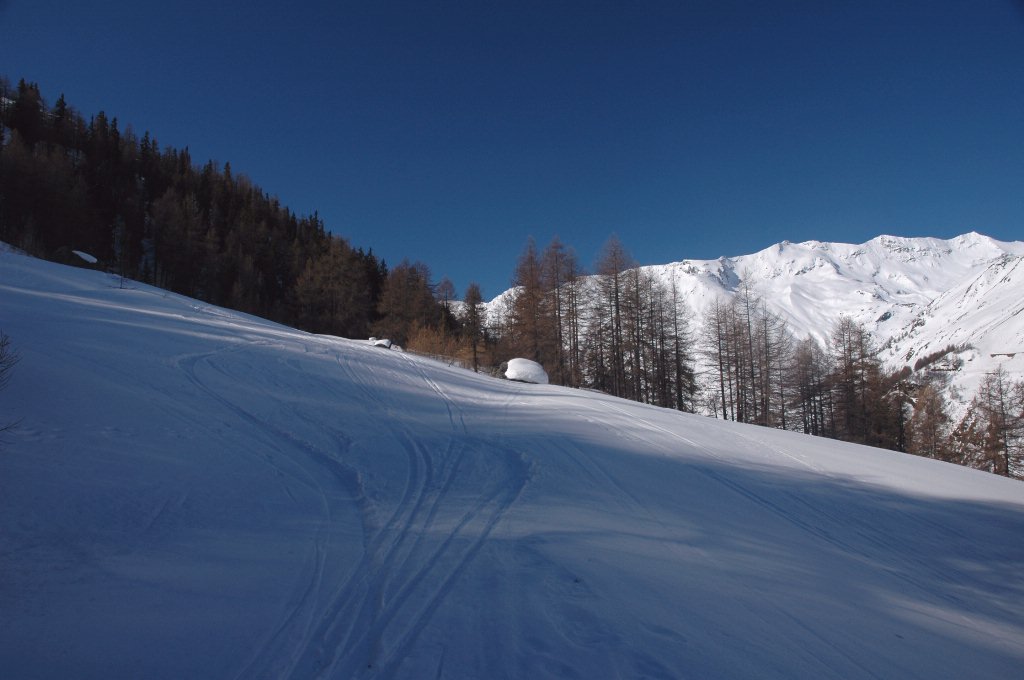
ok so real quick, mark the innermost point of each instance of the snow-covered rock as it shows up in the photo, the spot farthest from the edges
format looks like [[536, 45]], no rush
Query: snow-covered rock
[[525, 370]]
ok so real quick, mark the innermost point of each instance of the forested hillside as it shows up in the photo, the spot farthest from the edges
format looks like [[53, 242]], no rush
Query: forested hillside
[[70, 183], [726, 350]]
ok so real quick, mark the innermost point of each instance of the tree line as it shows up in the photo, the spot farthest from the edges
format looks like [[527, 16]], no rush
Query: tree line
[[618, 330], [150, 214], [757, 371], [153, 215], [624, 332]]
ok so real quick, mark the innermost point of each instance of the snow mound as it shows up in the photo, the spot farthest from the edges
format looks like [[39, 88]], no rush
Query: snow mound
[[85, 256], [525, 370]]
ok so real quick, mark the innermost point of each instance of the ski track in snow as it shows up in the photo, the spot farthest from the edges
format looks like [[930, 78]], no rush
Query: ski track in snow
[[409, 565], [596, 537], [301, 612]]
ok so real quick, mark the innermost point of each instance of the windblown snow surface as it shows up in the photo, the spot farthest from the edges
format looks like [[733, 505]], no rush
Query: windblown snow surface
[[195, 493]]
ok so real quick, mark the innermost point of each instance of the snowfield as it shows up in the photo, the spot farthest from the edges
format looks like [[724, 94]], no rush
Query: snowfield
[[195, 493]]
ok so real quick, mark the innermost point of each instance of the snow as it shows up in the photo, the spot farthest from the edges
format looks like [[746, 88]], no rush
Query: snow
[[525, 370], [91, 259], [915, 295], [193, 492]]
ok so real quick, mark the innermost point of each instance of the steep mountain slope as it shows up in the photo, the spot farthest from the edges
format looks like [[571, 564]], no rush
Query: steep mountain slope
[[980, 317], [882, 283], [915, 295], [192, 492]]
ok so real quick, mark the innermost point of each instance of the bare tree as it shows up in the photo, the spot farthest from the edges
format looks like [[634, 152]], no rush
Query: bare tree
[[525, 322], [857, 378], [472, 320], [612, 265], [554, 277], [929, 426], [1001, 404], [812, 398], [575, 302], [716, 350]]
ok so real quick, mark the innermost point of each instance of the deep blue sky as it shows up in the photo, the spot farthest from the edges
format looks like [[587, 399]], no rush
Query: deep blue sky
[[451, 131]]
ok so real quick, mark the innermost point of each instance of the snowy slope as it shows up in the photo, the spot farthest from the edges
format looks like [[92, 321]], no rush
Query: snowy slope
[[915, 295], [197, 493], [812, 283], [981, 314]]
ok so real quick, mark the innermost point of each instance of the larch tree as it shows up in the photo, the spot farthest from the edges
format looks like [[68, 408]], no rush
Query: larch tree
[[555, 268], [611, 268], [525, 324], [810, 372], [473, 320], [929, 425], [857, 381], [1000, 402]]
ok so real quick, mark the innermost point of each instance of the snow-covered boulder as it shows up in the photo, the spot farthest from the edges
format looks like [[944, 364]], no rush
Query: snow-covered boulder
[[382, 342], [525, 370]]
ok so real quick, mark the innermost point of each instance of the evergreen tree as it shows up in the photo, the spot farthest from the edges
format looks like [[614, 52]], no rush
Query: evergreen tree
[[96, 186], [407, 303]]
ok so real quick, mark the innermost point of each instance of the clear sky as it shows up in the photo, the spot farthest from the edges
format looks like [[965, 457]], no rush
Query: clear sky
[[451, 131]]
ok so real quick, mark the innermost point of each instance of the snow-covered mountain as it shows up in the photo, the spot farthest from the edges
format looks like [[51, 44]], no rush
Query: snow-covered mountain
[[195, 493], [916, 295]]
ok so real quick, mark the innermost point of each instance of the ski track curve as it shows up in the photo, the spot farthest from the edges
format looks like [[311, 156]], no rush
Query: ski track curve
[[445, 398], [267, 662], [410, 562]]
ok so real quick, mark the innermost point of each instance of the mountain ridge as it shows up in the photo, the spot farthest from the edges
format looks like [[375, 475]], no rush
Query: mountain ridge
[[901, 289]]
